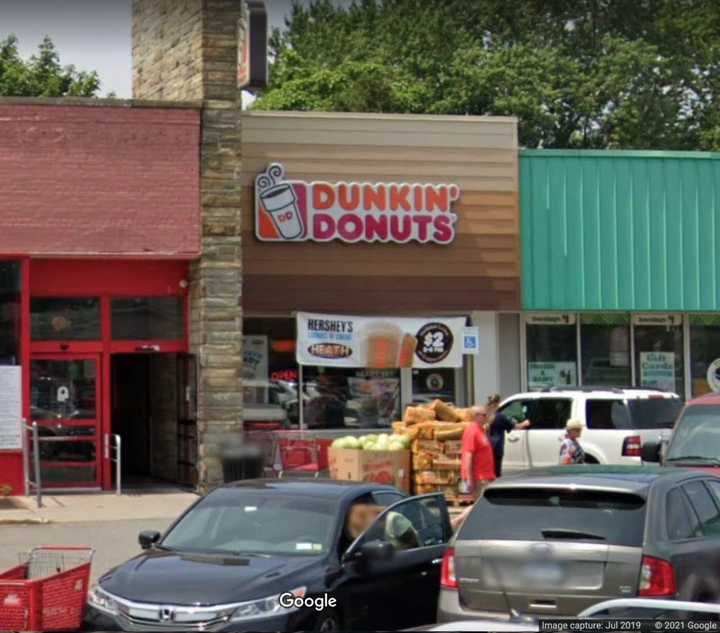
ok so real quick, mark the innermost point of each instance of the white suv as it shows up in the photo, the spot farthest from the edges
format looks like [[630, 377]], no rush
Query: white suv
[[617, 422]]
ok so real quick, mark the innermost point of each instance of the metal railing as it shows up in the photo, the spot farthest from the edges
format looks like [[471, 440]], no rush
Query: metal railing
[[114, 443], [29, 483], [33, 472]]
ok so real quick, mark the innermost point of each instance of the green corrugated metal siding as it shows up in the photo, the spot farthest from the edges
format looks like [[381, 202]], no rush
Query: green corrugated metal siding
[[620, 230]]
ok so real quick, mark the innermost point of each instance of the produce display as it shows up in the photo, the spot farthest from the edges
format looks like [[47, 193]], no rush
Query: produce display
[[374, 442], [433, 433]]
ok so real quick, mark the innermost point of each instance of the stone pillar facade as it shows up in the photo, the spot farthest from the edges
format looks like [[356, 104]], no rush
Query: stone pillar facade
[[187, 50]]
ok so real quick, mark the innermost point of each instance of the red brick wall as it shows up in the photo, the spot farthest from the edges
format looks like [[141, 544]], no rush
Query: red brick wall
[[99, 180]]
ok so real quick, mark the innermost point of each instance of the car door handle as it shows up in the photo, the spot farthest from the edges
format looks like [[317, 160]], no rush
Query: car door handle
[[436, 561], [513, 438]]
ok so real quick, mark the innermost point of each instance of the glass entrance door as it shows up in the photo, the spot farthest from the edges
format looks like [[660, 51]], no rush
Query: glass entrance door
[[65, 403]]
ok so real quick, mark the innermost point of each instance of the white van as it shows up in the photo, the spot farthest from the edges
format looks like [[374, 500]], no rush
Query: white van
[[617, 422]]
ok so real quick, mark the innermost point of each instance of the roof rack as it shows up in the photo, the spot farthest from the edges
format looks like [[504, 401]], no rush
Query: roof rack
[[589, 388]]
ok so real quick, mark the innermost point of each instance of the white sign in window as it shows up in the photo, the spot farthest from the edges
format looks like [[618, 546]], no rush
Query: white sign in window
[[10, 407]]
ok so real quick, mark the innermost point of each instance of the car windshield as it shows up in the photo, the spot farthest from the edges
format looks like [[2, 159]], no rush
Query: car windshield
[[654, 413], [232, 521], [697, 435], [537, 514]]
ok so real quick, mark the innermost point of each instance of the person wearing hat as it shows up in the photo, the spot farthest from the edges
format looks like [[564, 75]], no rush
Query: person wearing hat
[[499, 425], [570, 450]]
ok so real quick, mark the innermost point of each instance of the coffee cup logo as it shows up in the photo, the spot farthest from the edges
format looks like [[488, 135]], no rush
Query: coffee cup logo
[[280, 201]]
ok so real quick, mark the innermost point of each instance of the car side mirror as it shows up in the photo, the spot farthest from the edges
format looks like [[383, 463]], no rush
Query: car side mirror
[[374, 551], [651, 452], [148, 538]]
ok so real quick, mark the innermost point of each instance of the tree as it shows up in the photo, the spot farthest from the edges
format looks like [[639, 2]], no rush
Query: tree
[[42, 75], [577, 73]]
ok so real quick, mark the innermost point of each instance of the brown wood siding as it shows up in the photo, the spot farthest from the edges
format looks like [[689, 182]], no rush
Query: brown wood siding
[[480, 270]]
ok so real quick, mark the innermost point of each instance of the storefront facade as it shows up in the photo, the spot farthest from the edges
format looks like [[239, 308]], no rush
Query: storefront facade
[[620, 268], [100, 216], [399, 216]]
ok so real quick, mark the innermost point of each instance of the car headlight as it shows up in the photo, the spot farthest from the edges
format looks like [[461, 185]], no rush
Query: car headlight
[[102, 601], [264, 607]]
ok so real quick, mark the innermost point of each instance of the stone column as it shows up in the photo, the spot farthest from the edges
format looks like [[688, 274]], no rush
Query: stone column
[[215, 290], [188, 49]]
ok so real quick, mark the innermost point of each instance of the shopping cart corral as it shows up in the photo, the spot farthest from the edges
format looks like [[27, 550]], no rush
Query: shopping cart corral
[[47, 591]]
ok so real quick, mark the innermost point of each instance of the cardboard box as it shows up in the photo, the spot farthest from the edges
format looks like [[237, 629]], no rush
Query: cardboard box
[[383, 467]]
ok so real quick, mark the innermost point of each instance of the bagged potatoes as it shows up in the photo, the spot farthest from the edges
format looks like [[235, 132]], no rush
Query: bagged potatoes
[[415, 415], [445, 412]]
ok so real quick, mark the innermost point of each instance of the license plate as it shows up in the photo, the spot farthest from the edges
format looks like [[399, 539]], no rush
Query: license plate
[[544, 572]]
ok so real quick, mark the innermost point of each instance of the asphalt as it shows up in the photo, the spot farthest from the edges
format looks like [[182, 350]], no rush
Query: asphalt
[[98, 507], [113, 541]]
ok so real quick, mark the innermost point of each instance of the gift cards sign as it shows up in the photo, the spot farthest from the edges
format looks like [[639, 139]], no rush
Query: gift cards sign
[[386, 212]]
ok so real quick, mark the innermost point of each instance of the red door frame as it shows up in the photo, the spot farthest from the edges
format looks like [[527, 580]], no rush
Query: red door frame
[[99, 436], [108, 279]]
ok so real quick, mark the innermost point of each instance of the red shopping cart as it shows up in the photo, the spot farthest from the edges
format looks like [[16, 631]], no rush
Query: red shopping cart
[[303, 455], [47, 591]]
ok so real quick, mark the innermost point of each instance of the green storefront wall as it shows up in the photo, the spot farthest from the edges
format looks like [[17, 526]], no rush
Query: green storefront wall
[[620, 230]]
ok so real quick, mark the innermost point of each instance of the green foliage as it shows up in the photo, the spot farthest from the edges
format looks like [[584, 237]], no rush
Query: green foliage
[[577, 73], [42, 75]]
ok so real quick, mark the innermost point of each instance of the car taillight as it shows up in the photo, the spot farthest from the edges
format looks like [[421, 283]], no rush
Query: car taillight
[[632, 446], [447, 573], [657, 578]]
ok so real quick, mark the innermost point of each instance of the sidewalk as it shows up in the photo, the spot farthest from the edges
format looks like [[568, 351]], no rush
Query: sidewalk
[[77, 508]]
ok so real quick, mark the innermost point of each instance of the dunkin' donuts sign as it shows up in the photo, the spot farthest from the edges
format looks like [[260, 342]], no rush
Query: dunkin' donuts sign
[[388, 212]]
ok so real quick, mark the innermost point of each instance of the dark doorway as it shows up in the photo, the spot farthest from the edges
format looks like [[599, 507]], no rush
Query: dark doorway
[[145, 416]]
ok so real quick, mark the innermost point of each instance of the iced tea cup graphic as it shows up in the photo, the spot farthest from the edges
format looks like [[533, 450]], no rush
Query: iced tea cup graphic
[[281, 203], [387, 347]]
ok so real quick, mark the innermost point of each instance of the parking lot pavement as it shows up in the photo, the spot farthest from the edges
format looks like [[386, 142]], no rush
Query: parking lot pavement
[[77, 508], [114, 541]]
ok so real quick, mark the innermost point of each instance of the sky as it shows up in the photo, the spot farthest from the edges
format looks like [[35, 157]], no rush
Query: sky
[[90, 34]]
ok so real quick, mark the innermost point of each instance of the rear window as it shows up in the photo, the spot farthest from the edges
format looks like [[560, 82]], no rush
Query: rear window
[[654, 413], [531, 514]]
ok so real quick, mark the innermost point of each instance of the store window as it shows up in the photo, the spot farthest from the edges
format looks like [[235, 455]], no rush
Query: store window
[[704, 354], [605, 349], [551, 350], [270, 374], [432, 384], [659, 351], [350, 398], [10, 313], [65, 319], [333, 398], [148, 318]]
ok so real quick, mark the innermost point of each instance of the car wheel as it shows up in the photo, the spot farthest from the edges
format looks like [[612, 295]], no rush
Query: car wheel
[[591, 460], [327, 621]]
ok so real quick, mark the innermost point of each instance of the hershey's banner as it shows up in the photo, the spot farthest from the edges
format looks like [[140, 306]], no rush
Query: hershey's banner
[[332, 340]]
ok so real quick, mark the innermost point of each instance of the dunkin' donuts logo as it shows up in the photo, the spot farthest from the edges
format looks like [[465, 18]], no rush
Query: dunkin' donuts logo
[[298, 211]]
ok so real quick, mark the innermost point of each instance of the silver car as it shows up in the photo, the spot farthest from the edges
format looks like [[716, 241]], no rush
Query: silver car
[[556, 541]]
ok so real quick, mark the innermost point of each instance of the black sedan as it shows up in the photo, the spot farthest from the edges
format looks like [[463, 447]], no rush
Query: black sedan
[[278, 555]]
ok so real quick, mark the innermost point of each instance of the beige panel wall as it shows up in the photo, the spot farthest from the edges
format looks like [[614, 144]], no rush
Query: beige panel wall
[[477, 153]]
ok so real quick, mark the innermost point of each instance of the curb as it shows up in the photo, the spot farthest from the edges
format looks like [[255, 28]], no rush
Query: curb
[[32, 521]]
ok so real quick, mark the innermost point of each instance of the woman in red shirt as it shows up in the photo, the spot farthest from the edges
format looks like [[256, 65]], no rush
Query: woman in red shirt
[[478, 460]]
